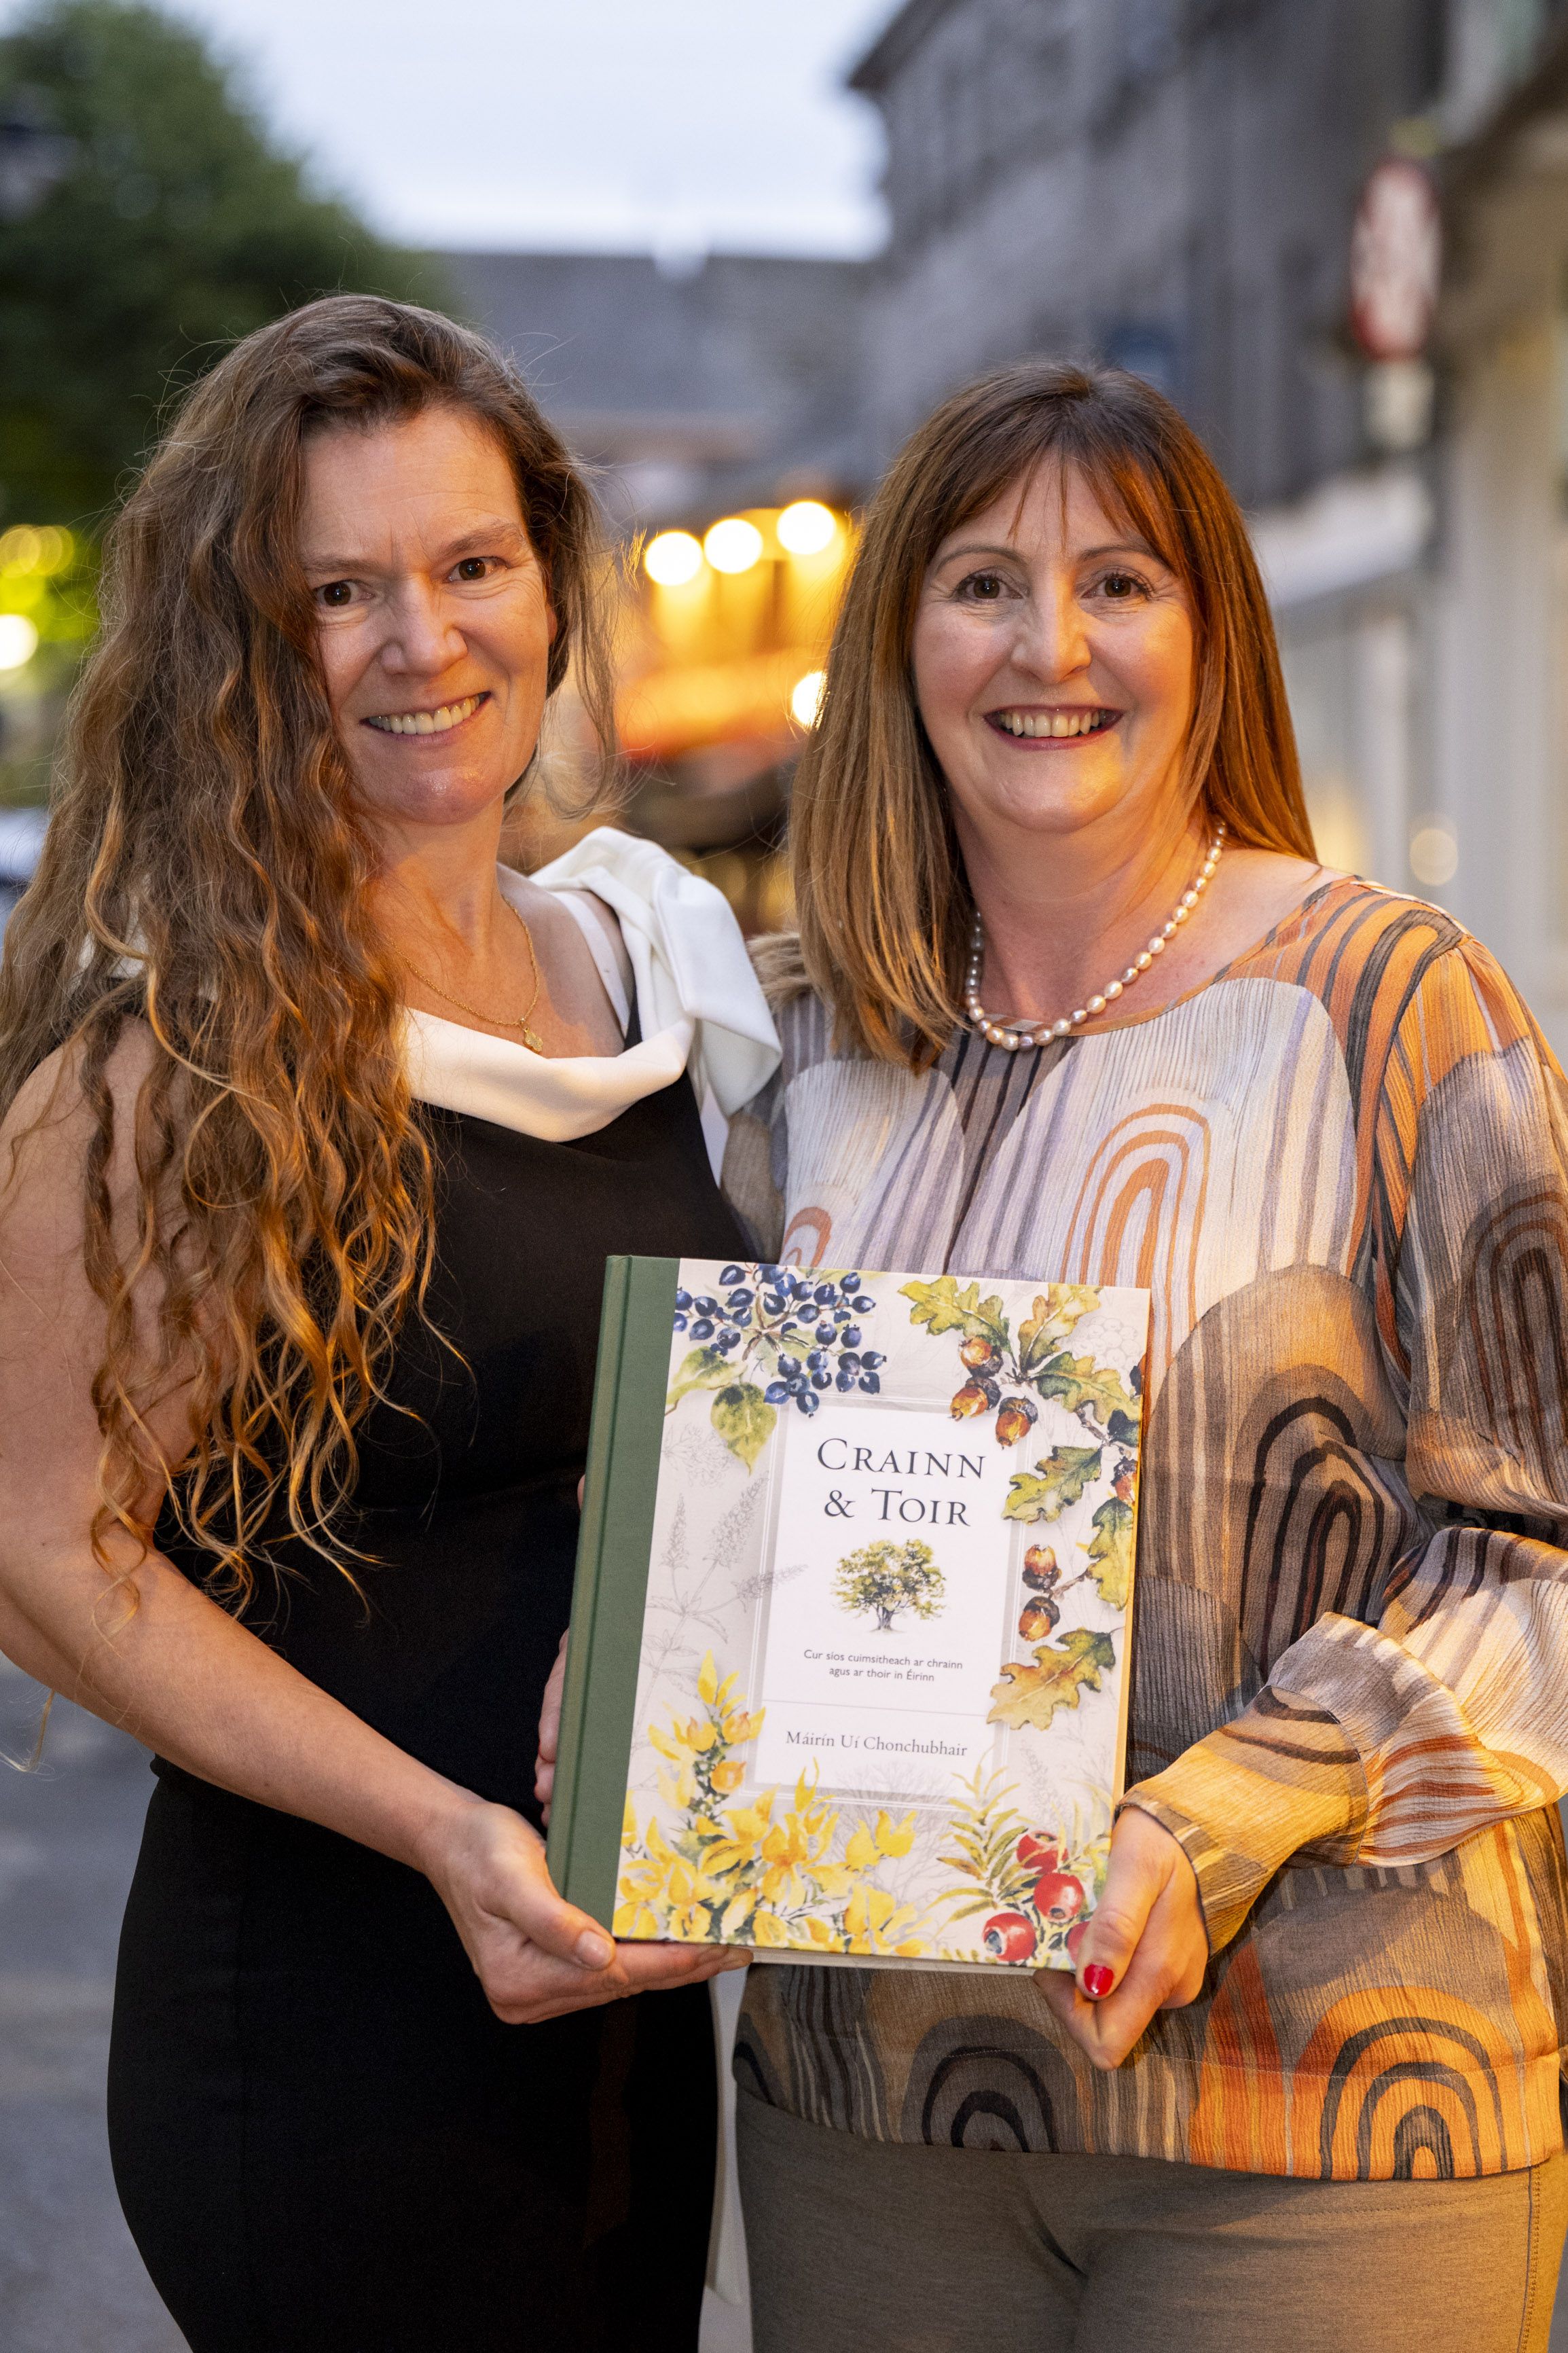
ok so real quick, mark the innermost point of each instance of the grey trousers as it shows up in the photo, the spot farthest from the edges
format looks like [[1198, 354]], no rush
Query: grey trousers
[[861, 2246]]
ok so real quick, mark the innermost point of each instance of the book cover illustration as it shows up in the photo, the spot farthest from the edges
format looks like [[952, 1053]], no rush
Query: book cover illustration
[[882, 1693]]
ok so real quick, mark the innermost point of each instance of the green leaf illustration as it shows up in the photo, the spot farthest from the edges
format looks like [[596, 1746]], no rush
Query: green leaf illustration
[[1060, 1479], [943, 1307], [1055, 1312], [701, 1368], [1079, 1383], [1124, 1431], [1031, 1695], [1111, 1553], [744, 1420]]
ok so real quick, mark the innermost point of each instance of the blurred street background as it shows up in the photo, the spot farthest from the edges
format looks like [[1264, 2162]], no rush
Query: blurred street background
[[739, 249]]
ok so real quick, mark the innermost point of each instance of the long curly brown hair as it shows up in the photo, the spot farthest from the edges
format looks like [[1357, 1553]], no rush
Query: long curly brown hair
[[205, 872]]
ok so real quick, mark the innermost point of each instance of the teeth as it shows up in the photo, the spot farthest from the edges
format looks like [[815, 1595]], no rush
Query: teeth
[[1053, 723], [428, 722]]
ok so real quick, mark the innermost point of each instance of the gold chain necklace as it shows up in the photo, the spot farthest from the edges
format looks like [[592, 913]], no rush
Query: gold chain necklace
[[1015, 1034], [531, 1037]]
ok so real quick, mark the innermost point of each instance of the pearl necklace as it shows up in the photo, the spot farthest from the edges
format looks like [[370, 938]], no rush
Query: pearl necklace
[[1015, 1034]]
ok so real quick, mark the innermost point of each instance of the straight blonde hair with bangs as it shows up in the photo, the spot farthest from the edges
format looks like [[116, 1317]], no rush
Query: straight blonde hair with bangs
[[884, 905]]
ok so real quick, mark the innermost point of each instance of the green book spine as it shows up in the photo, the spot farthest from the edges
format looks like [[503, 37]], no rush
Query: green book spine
[[613, 1547]]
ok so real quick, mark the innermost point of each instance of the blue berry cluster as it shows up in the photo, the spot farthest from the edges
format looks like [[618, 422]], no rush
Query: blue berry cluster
[[802, 1326]]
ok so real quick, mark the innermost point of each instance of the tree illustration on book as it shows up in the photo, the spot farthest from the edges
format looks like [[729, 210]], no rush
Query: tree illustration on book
[[884, 1579]]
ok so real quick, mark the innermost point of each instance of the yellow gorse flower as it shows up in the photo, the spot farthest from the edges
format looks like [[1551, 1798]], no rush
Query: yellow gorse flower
[[752, 1871]]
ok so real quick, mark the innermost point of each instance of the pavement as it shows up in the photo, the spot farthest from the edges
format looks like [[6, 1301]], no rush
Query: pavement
[[71, 2279]]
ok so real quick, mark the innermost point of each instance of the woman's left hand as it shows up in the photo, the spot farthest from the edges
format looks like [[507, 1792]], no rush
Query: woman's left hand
[[1144, 1949]]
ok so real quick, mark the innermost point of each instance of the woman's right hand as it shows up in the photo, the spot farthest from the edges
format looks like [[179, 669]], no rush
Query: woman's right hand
[[536, 1956]]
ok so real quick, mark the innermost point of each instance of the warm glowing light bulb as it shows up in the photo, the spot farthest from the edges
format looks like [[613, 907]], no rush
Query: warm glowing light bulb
[[18, 641], [806, 700], [806, 527], [672, 559], [732, 545]]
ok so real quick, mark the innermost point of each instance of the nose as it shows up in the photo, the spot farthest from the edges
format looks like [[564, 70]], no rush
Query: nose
[[421, 638], [1053, 636]]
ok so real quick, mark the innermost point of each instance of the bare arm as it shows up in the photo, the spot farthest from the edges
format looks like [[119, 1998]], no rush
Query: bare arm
[[153, 1653]]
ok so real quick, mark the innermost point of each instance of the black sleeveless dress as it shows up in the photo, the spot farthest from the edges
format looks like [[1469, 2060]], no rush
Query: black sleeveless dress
[[323, 2136]]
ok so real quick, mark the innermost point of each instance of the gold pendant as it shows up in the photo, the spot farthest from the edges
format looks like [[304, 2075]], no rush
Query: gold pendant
[[534, 1041]]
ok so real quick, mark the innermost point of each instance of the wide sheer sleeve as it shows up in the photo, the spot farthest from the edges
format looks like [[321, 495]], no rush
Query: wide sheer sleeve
[[1388, 1742]]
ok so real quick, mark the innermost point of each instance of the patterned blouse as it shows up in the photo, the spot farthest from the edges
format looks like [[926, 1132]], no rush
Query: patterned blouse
[[1341, 1168]]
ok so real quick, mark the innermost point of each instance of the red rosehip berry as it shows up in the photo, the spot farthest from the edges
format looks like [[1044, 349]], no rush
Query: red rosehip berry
[[1036, 1855], [1058, 1896], [1074, 1938], [1009, 1937]]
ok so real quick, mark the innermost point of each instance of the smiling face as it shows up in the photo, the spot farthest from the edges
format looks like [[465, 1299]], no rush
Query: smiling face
[[434, 614], [1054, 666]]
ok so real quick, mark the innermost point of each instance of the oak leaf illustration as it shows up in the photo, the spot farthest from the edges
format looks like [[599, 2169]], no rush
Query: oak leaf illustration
[[941, 1306], [1032, 1694], [1058, 1479], [1077, 1382], [1111, 1551], [1056, 1312]]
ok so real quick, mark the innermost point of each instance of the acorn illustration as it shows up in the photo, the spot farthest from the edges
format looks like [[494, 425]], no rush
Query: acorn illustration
[[1038, 1618], [1009, 1937], [1015, 1420], [975, 1397], [1126, 1473], [1058, 1896], [1040, 1570], [978, 1354]]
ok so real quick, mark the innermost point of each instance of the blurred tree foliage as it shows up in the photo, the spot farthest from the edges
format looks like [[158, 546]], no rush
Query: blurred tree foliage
[[146, 218]]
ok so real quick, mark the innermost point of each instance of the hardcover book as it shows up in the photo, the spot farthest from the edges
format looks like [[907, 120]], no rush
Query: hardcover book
[[848, 1677]]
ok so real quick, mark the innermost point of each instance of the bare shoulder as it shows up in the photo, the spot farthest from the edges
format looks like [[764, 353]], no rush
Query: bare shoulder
[[46, 1134], [555, 926], [1254, 891]]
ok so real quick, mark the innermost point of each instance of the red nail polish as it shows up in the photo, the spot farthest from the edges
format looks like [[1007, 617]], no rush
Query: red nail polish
[[1096, 1980]]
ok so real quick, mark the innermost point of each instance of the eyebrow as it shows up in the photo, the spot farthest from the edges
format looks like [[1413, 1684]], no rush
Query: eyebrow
[[469, 543], [1085, 555]]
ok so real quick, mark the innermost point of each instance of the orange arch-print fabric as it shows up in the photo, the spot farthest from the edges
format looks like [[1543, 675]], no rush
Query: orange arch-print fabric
[[1341, 1169]]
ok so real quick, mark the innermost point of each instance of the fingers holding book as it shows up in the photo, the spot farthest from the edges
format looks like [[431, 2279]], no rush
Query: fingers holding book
[[1143, 1950], [536, 1956], [550, 1731]]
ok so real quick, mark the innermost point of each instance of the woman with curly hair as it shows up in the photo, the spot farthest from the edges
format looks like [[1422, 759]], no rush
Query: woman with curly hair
[[320, 1126]]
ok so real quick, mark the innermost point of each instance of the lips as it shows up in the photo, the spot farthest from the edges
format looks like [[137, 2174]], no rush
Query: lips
[[437, 722], [1064, 725]]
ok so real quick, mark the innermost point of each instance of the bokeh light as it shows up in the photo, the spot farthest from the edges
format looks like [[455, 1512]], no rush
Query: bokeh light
[[672, 559], [732, 545], [1434, 853], [805, 701], [18, 641], [26, 548], [807, 527]]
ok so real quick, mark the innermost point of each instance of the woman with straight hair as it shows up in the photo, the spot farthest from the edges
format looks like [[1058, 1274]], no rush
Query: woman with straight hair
[[1073, 1001], [319, 1125]]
